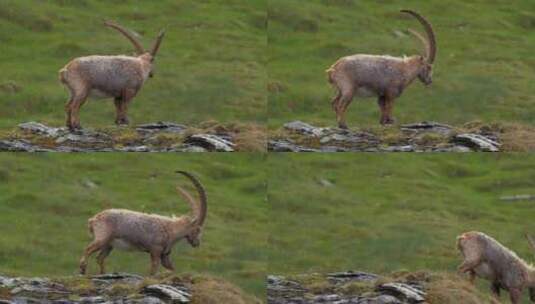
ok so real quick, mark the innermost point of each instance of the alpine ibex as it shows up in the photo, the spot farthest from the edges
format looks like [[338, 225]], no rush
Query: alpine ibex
[[486, 258], [383, 76], [120, 77], [155, 234]]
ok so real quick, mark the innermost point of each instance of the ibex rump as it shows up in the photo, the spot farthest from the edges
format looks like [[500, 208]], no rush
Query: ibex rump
[[155, 234], [383, 76], [119, 77], [488, 259]]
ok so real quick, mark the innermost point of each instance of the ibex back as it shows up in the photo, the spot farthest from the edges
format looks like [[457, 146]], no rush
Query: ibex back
[[119, 77], [383, 76], [155, 234], [488, 259]]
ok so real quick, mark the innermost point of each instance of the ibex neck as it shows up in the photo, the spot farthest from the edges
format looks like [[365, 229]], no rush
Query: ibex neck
[[180, 227], [412, 69]]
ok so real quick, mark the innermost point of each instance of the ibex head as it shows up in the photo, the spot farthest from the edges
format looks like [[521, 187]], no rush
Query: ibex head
[[426, 62], [148, 56], [199, 210]]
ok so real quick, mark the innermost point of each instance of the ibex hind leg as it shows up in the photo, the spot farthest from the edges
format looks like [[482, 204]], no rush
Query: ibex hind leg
[[334, 101], [75, 104], [104, 253], [93, 247], [343, 104], [495, 290], [515, 295]]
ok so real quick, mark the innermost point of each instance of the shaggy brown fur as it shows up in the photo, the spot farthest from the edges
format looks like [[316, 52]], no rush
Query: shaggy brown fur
[[488, 259], [119, 77], [155, 234], [383, 76]]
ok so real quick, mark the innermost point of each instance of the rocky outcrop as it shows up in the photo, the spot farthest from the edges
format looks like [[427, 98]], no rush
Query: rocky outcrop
[[152, 137], [118, 288], [298, 136], [343, 288], [110, 288]]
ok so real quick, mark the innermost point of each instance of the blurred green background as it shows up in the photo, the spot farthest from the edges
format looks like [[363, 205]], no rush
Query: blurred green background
[[46, 199], [484, 68], [211, 65], [383, 213]]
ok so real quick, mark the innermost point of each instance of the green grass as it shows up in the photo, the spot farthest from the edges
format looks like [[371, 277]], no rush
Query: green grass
[[483, 70], [211, 65], [387, 213], [47, 198]]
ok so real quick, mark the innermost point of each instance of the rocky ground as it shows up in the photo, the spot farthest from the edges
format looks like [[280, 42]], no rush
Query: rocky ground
[[298, 136], [120, 288], [366, 288], [151, 137], [343, 288]]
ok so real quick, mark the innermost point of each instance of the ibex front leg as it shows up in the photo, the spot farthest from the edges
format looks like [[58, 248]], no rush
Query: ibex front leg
[[121, 106], [166, 261], [386, 117]]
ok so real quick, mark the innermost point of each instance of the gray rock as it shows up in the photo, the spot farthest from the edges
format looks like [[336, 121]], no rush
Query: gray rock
[[39, 128], [413, 138], [428, 126], [403, 291], [168, 292], [304, 128], [477, 141], [17, 146], [288, 146], [136, 149], [146, 140], [407, 148], [352, 276], [190, 148], [283, 291], [161, 126], [93, 300], [210, 142]]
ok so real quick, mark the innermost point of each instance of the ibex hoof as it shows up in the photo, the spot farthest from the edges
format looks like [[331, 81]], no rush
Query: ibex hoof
[[122, 121], [342, 126], [74, 128], [387, 121]]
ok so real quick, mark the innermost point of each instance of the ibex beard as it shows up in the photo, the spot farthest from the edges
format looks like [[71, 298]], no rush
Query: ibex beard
[[379, 75], [119, 77], [155, 234], [486, 258]]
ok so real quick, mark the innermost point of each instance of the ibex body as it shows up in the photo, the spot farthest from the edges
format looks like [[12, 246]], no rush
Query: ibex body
[[488, 259], [383, 76], [119, 77], [155, 234]]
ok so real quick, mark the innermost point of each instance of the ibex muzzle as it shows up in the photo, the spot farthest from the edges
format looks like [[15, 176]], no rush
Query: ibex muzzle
[[383, 76], [486, 258], [119, 77], [155, 234]]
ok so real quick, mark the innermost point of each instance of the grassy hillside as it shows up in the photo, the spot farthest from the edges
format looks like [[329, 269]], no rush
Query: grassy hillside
[[211, 65], [47, 199], [385, 213], [484, 66]]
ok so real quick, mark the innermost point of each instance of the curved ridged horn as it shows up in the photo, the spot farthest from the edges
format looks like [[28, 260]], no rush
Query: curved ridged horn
[[156, 45], [431, 40], [127, 34], [422, 39], [200, 210]]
